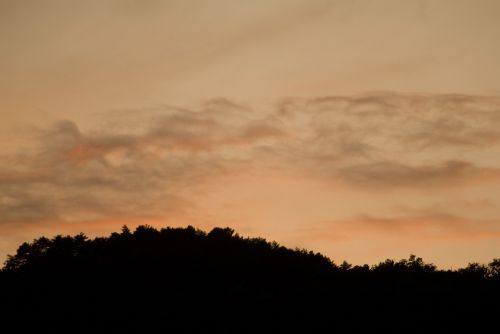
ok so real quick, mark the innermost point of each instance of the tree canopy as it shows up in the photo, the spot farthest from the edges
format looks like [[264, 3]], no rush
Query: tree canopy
[[188, 280]]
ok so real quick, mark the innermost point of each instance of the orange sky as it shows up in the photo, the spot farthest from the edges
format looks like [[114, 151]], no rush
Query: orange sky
[[360, 129]]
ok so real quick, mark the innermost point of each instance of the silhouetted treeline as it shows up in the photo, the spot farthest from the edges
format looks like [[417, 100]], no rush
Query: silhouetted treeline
[[183, 280]]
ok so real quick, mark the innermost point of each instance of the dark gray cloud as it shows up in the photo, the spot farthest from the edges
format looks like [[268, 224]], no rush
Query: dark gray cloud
[[388, 140], [103, 174], [388, 174], [150, 162]]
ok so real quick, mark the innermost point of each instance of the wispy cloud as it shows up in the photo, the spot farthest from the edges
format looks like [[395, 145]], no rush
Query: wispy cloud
[[423, 225], [149, 163], [388, 174]]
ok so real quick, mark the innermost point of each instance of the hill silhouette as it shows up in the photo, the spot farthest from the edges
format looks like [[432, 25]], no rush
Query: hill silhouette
[[184, 280]]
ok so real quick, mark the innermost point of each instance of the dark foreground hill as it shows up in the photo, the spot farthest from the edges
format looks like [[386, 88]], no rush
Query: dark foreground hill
[[183, 280]]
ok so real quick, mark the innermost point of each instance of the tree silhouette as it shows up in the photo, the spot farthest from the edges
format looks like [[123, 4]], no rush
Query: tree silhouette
[[184, 280]]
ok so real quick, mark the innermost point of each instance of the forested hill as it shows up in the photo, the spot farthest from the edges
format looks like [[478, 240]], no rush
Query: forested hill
[[183, 280]]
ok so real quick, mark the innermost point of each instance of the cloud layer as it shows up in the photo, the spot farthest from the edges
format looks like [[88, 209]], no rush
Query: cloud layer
[[155, 163]]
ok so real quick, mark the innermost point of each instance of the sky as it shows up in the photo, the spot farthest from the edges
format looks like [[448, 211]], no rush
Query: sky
[[360, 129]]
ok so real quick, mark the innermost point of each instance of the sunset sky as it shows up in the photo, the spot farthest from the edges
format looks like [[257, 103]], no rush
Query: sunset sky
[[361, 129]]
